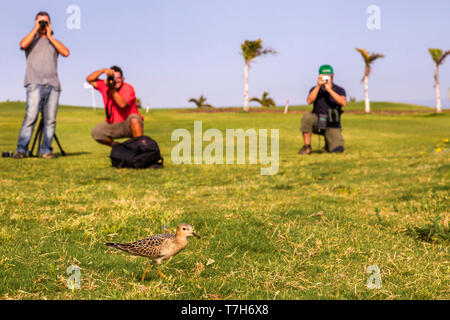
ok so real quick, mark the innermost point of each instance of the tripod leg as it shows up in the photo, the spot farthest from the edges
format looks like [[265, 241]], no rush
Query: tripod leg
[[37, 136], [59, 145]]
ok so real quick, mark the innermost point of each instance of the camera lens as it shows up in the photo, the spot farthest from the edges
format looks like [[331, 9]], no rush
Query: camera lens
[[111, 81]]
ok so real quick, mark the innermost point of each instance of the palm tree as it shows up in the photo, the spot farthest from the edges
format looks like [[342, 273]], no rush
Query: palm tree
[[251, 50], [200, 102], [368, 60], [438, 56], [265, 101]]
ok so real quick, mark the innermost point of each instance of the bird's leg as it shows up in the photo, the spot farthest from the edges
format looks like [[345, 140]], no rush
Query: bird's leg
[[161, 274], [145, 272]]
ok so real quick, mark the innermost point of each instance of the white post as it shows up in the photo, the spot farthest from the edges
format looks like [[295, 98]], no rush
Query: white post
[[366, 94], [246, 86], [438, 92], [87, 86], [147, 107], [286, 107], [93, 98]]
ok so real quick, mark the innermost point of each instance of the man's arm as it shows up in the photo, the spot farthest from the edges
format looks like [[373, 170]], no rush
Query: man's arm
[[112, 92], [342, 100], [62, 49], [26, 41], [313, 95], [94, 77], [118, 98]]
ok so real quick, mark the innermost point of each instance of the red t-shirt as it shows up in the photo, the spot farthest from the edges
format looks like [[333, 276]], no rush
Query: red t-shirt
[[119, 114]]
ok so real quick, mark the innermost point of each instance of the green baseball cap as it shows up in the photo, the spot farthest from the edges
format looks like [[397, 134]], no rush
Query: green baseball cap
[[326, 69]]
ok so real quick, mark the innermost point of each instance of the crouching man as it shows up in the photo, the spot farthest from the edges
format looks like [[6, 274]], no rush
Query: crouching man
[[122, 117], [325, 119]]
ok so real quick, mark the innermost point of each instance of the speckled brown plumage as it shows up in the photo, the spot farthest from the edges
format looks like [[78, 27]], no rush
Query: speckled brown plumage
[[158, 247]]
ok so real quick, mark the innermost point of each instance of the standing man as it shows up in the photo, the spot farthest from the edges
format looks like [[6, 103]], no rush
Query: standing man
[[42, 84], [328, 99], [122, 117]]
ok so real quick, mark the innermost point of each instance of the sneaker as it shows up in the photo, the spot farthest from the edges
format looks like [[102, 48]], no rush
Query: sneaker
[[48, 156], [19, 155], [305, 150]]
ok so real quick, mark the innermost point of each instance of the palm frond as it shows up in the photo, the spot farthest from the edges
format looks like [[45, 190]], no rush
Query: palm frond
[[270, 103], [200, 102], [255, 99], [194, 101], [368, 60], [265, 101], [375, 56], [443, 56], [436, 54], [253, 49], [364, 54]]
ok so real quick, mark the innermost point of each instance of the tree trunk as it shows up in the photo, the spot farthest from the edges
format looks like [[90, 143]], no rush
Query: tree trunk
[[366, 94], [436, 87], [246, 87]]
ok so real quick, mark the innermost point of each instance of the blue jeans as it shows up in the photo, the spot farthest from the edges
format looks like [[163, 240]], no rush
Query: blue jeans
[[39, 98]]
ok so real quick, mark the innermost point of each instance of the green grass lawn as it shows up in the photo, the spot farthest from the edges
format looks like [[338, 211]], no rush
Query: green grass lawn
[[384, 202]]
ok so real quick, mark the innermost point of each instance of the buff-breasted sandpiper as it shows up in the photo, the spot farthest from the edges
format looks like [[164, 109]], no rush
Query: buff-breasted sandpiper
[[159, 247]]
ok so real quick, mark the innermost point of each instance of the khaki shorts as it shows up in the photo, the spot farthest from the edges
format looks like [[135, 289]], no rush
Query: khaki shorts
[[333, 136], [115, 130]]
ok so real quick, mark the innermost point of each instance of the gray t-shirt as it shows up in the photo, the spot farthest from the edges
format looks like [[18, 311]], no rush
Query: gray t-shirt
[[42, 63]]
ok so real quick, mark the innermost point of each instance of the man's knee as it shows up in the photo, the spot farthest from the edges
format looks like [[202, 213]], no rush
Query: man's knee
[[134, 122], [308, 121], [98, 134], [334, 140]]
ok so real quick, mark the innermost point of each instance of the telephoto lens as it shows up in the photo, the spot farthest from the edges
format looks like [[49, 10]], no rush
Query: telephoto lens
[[43, 23], [110, 81]]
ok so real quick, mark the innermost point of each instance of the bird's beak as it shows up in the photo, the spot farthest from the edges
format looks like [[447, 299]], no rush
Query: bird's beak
[[195, 235]]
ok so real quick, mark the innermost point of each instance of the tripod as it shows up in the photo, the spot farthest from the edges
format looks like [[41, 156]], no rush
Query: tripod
[[39, 136]]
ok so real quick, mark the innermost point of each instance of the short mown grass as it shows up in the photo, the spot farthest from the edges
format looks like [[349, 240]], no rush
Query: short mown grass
[[308, 232]]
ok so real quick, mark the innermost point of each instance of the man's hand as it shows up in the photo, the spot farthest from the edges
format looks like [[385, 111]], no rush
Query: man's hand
[[93, 77], [62, 49], [320, 81], [328, 86], [26, 41], [109, 72], [37, 26], [49, 30]]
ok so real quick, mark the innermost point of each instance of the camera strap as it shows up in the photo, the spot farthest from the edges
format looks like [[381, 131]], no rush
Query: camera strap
[[108, 112]]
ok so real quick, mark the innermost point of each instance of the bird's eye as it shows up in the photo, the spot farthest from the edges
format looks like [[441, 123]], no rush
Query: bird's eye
[[184, 229]]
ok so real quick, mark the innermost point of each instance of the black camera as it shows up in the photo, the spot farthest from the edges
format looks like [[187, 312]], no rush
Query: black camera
[[111, 81], [7, 154], [43, 24]]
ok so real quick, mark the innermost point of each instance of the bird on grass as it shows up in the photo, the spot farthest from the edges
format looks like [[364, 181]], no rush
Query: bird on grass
[[159, 247]]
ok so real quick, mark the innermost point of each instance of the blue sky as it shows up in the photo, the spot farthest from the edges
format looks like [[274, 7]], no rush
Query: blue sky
[[172, 50]]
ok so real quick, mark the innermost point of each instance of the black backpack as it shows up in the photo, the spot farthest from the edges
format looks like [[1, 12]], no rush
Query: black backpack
[[139, 153]]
